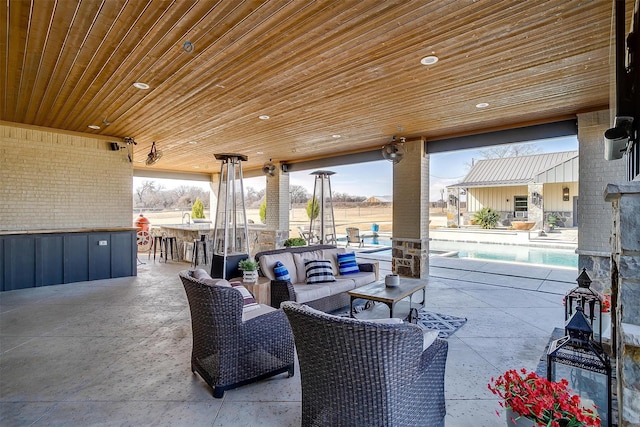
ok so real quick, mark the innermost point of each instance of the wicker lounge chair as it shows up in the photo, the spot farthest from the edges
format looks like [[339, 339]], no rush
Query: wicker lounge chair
[[358, 373], [227, 351]]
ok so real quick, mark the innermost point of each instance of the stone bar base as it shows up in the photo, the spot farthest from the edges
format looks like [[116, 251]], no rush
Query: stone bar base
[[410, 257], [598, 265]]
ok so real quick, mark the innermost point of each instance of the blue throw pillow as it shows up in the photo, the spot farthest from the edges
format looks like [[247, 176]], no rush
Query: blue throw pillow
[[318, 271], [280, 271], [347, 263]]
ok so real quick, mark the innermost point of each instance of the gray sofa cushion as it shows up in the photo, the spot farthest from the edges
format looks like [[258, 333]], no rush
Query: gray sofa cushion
[[362, 278], [267, 263], [306, 293]]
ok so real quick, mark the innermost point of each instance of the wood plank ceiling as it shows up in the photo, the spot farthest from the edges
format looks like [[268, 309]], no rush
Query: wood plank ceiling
[[316, 68]]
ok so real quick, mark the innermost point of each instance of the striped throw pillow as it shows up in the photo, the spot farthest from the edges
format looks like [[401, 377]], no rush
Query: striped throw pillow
[[318, 271], [347, 263], [249, 301], [280, 271]]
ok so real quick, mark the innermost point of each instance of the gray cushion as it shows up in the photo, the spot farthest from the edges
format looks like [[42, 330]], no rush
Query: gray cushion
[[306, 293], [268, 261]]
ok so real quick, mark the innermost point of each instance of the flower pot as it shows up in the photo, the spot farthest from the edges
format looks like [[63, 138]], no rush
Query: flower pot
[[514, 420], [250, 276]]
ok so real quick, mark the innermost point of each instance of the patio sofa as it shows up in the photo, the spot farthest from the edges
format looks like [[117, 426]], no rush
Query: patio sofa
[[326, 296]]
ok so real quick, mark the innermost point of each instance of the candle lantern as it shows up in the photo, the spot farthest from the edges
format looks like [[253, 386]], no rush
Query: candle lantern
[[590, 301], [580, 360]]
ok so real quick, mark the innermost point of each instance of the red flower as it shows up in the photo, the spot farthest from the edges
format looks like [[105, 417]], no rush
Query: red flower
[[540, 400]]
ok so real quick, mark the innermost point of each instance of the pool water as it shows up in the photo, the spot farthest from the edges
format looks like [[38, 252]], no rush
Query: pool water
[[513, 253]]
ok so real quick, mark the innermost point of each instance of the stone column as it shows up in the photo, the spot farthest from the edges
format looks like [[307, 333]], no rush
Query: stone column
[[535, 205], [594, 214], [410, 253], [625, 287], [453, 210]]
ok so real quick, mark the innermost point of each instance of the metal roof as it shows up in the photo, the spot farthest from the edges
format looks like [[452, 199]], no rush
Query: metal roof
[[546, 168]]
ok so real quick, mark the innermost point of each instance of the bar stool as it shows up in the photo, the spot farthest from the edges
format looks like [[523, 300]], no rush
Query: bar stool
[[157, 240], [170, 243], [196, 246]]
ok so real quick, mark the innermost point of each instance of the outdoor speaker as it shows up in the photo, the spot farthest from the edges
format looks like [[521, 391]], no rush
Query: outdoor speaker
[[115, 146], [616, 139]]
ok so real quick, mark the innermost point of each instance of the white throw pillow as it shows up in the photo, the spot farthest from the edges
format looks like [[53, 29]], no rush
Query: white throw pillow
[[428, 337]]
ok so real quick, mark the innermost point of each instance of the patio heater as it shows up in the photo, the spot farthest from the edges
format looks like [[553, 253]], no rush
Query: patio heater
[[583, 363], [322, 226], [231, 234], [590, 302]]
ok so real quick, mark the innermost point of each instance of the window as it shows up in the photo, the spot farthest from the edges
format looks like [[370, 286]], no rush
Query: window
[[521, 204]]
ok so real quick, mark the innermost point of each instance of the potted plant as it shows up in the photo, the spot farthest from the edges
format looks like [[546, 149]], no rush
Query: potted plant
[[532, 400], [294, 241], [552, 220], [486, 218], [249, 269]]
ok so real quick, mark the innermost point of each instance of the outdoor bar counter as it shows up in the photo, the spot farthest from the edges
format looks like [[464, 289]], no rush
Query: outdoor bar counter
[[32, 258]]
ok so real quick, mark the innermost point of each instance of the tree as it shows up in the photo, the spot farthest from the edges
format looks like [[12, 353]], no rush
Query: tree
[[313, 208], [145, 188], [263, 211], [197, 211], [509, 150], [298, 194]]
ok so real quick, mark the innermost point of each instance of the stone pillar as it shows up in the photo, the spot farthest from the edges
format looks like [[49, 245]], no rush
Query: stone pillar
[[453, 207], [410, 253], [594, 214], [625, 287], [277, 218], [535, 205]]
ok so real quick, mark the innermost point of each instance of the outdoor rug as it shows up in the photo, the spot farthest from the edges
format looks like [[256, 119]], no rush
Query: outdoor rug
[[446, 324]]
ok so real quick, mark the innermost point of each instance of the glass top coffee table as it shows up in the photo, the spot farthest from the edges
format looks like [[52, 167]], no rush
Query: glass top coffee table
[[378, 292]]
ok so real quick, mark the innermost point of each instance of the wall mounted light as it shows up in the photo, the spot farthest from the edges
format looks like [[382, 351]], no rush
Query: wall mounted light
[[536, 198], [565, 194]]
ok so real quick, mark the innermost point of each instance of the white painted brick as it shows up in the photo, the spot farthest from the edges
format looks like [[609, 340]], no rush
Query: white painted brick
[[594, 214], [51, 180]]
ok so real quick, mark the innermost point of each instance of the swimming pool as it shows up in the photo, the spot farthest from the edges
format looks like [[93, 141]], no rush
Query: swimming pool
[[512, 253]]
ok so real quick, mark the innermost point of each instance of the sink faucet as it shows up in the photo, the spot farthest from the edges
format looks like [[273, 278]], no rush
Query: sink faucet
[[188, 219]]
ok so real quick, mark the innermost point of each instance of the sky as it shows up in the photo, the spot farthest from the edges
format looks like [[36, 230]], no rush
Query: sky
[[375, 178]]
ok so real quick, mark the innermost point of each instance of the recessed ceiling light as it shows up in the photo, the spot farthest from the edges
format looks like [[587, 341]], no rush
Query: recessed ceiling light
[[259, 152], [264, 117], [193, 142], [335, 135], [429, 60], [140, 85], [482, 105], [96, 127], [196, 167]]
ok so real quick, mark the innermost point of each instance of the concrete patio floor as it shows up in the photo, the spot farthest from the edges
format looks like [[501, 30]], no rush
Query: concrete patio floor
[[117, 352]]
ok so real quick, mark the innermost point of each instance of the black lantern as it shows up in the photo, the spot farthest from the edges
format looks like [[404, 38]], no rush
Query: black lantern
[[583, 363], [590, 301], [565, 194]]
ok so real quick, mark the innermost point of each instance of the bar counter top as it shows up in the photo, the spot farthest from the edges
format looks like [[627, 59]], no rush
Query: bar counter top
[[67, 230]]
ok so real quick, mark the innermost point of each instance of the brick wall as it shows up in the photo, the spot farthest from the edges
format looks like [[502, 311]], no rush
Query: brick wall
[[411, 193], [56, 180], [594, 214]]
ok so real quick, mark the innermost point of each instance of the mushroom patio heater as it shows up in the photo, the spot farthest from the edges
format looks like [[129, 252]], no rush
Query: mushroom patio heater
[[322, 226], [583, 363], [231, 234]]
